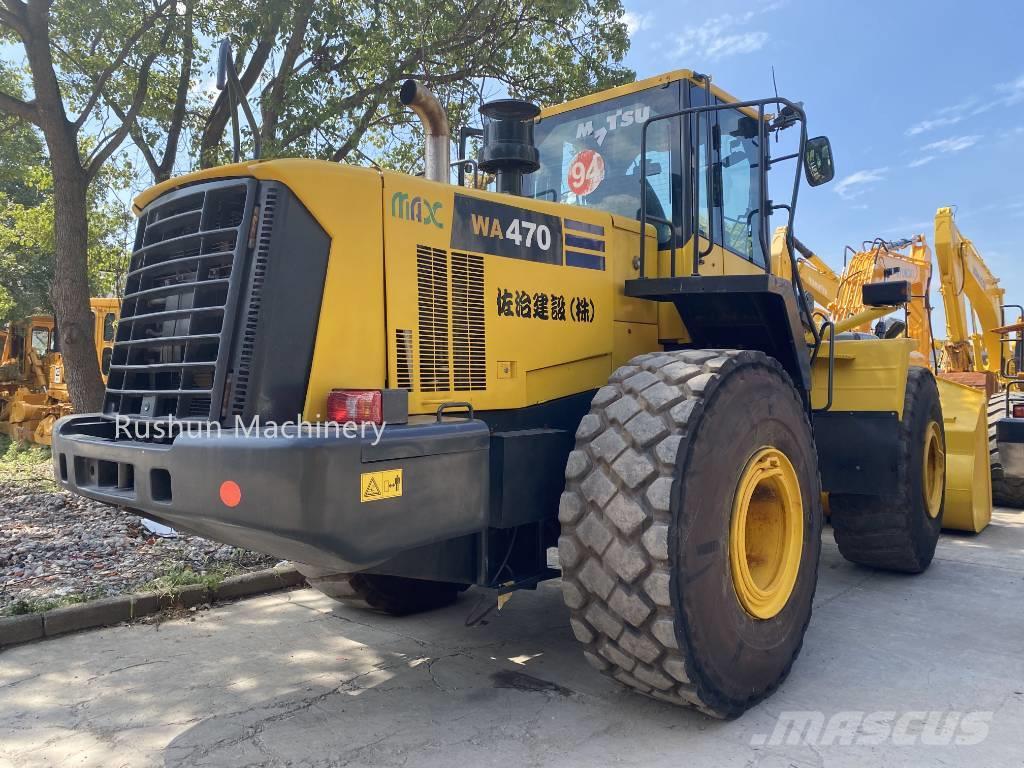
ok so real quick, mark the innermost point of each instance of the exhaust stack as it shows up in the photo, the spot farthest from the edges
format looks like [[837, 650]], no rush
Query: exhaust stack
[[437, 150]]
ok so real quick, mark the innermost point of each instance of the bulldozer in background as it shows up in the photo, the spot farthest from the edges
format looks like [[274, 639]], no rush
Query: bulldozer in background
[[595, 355], [33, 389]]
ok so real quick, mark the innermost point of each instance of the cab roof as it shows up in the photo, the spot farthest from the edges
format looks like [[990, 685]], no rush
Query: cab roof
[[640, 85]]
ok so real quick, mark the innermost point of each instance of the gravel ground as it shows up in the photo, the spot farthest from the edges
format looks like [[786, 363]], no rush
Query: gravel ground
[[57, 547]]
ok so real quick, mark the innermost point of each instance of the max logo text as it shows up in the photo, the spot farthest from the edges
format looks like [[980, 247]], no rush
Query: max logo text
[[417, 209]]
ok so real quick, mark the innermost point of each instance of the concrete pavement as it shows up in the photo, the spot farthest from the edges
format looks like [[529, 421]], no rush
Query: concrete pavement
[[895, 670]]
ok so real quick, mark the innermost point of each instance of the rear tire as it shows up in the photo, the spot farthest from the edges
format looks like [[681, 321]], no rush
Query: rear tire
[[1007, 490], [646, 515], [898, 532], [396, 595]]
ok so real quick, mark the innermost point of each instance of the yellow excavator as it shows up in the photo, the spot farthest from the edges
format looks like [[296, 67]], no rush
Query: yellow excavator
[[33, 388], [982, 347]]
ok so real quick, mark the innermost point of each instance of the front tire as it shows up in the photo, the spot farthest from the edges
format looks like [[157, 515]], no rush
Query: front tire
[[899, 532], [650, 531]]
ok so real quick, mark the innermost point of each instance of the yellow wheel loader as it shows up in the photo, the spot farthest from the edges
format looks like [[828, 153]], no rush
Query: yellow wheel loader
[[33, 389], [965, 402], [595, 355]]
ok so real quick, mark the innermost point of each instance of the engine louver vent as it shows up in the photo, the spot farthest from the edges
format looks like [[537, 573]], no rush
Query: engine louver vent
[[403, 361], [468, 348], [171, 351], [250, 320], [432, 300]]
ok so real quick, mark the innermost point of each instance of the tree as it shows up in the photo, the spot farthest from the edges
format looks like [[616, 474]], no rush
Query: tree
[[326, 75], [94, 59], [27, 236]]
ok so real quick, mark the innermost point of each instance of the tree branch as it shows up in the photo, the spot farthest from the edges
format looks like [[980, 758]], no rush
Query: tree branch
[[12, 105], [356, 134], [105, 149], [100, 82], [11, 20]]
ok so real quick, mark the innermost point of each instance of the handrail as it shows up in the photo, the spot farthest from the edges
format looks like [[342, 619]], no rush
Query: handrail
[[760, 104]]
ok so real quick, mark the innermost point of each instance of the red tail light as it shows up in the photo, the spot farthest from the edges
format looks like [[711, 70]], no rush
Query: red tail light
[[357, 405], [1018, 410]]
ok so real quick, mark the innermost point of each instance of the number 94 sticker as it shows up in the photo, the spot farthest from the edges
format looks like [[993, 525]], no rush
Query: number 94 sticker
[[586, 172]]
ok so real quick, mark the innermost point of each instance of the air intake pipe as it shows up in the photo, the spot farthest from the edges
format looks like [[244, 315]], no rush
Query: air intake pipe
[[437, 149], [508, 150]]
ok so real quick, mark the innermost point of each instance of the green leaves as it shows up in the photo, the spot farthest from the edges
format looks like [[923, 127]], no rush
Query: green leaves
[[328, 86]]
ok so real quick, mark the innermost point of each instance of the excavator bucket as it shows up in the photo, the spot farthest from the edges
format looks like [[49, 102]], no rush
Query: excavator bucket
[[968, 480]]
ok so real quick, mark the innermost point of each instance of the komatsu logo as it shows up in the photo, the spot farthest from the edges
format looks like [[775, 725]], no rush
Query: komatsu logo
[[417, 209]]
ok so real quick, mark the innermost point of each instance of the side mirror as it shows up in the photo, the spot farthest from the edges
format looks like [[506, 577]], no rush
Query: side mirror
[[818, 166]]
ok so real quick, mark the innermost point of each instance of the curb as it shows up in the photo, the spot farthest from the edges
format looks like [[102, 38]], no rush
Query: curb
[[114, 610]]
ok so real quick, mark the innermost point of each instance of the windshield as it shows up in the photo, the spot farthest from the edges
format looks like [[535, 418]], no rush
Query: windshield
[[591, 156]]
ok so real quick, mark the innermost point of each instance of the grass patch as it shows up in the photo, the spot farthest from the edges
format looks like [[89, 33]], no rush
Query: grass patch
[[15, 454], [175, 577], [26, 465], [39, 605]]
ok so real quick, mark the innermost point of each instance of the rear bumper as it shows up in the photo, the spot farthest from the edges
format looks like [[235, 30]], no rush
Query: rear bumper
[[302, 496], [1010, 442]]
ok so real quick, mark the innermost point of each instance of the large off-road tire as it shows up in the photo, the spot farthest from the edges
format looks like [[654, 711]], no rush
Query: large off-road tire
[[1007, 490], [646, 546], [899, 532], [396, 595]]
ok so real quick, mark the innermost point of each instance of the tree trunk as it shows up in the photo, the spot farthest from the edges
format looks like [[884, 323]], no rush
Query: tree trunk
[[70, 291]]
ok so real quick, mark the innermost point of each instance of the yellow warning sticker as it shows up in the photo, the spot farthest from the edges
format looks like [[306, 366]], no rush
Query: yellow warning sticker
[[374, 486]]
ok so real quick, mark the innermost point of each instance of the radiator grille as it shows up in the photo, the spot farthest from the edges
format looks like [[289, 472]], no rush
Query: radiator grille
[[468, 350], [432, 292], [170, 355], [403, 359]]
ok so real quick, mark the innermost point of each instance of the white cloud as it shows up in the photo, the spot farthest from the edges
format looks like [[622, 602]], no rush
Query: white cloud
[[723, 35], [1009, 94], [1013, 91], [952, 144], [637, 22], [929, 125], [920, 161], [856, 184]]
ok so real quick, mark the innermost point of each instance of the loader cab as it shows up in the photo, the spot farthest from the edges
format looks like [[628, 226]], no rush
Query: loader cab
[[709, 172], [590, 155]]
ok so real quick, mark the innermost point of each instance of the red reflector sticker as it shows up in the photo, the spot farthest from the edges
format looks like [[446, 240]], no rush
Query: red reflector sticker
[[230, 493]]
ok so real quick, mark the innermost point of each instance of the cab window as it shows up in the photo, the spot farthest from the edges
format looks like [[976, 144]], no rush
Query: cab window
[[591, 156], [40, 341], [108, 326], [738, 176]]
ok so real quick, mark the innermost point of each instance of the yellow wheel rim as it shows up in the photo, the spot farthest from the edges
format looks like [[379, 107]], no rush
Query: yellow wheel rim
[[766, 533], [933, 478]]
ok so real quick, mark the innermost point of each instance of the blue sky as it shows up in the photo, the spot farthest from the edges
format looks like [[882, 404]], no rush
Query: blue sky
[[923, 103]]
